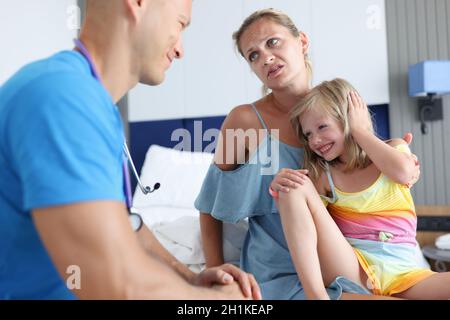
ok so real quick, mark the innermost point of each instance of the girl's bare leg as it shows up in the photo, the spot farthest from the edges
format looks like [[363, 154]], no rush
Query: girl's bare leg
[[435, 287], [336, 256], [354, 296]]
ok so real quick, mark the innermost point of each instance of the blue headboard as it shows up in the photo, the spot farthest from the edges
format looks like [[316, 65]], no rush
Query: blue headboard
[[145, 134]]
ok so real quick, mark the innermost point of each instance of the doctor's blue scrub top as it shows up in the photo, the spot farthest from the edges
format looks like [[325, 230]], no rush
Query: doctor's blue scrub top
[[244, 193], [61, 140]]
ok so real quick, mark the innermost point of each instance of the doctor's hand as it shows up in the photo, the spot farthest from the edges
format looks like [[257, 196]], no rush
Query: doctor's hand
[[227, 274]]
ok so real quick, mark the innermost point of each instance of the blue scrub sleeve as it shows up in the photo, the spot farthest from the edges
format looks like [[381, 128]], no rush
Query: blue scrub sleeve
[[67, 149]]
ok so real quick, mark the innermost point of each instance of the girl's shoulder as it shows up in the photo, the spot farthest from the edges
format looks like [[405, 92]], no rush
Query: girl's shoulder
[[321, 183]]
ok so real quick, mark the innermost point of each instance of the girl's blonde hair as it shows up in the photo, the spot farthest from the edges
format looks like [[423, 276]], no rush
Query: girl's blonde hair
[[330, 98], [278, 17]]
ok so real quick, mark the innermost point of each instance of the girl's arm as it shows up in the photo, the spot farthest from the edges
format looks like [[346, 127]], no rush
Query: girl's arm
[[398, 166]]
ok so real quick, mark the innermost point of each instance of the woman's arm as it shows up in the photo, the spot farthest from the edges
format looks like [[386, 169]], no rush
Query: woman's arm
[[231, 151], [398, 166], [211, 230]]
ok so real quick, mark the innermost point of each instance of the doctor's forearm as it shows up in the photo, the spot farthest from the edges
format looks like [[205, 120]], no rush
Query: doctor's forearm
[[155, 249]]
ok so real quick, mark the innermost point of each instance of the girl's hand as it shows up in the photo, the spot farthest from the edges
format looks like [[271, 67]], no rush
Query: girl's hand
[[358, 113], [286, 179]]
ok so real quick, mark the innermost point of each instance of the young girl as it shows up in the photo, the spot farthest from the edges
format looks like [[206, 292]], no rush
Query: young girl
[[364, 183]]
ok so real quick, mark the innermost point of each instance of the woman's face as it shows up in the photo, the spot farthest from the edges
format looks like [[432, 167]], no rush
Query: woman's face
[[274, 54]]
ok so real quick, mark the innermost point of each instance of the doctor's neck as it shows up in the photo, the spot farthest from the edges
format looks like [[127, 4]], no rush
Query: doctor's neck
[[113, 66], [110, 55]]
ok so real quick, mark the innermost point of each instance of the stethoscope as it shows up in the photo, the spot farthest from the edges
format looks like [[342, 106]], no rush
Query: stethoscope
[[127, 184]]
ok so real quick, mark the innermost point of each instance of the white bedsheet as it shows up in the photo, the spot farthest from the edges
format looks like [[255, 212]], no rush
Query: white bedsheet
[[178, 230]]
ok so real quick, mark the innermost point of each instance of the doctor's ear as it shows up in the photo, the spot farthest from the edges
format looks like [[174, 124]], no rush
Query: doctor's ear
[[133, 8]]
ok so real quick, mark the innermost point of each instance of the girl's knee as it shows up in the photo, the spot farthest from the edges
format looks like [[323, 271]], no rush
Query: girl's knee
[[302, 191]]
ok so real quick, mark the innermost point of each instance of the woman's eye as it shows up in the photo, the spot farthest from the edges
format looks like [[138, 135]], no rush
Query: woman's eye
[[273, 42], [323, 126], [253, 56]]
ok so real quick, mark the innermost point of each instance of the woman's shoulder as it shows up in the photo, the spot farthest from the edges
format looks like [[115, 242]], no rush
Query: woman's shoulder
[[241, 117]]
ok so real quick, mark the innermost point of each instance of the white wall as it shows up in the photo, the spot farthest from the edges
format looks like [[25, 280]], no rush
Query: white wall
[[348, 39], [31, 30]]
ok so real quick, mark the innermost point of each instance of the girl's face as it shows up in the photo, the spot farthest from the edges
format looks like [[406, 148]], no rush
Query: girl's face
[[324, 134], [274, 54]]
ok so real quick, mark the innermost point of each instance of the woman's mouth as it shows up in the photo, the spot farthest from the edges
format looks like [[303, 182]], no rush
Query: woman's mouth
[[275, 71]]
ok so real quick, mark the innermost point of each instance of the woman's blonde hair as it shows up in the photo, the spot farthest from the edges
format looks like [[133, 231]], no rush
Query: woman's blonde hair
[[278, 17], [330, 98]]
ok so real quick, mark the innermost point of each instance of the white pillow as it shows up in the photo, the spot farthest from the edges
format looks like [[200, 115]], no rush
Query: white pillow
[[180, 174]]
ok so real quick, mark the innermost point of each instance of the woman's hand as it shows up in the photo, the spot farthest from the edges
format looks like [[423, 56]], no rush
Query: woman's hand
[[416, 174], [286, 179], [408, 137], [358, 113]]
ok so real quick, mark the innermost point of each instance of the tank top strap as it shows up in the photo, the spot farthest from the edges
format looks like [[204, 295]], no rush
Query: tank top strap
[[330, 181], [259, 117]]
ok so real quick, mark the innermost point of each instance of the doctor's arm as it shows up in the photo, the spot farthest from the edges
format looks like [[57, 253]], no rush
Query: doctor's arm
[[153, 247], [220, 273], [97, 238]]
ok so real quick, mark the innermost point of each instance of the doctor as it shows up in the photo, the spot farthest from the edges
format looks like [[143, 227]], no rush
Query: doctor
[[63, 218]]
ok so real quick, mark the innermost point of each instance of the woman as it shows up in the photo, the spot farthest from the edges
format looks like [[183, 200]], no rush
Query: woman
[[236, 185]]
